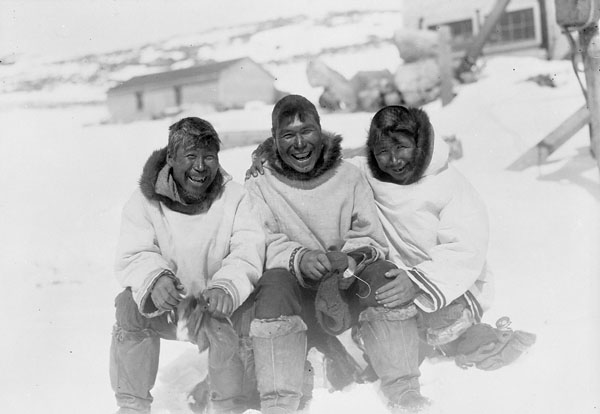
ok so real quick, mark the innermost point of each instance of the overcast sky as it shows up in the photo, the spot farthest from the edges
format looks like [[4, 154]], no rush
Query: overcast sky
[[62, 28]]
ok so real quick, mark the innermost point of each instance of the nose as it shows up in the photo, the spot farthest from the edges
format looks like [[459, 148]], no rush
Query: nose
[[299, 141], [199, 164]]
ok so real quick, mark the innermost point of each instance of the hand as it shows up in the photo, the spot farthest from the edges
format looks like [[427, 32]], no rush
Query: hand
[[220, 304], [166, 293], [314, 264], [398, 291], [256, 167]]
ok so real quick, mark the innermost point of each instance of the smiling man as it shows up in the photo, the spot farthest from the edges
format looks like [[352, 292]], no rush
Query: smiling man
[[321, 220], [188, 235]]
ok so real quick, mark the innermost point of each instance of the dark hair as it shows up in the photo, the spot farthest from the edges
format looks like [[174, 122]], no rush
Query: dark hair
[[412, 122], [288, 107], [194, 130], [392, 119]]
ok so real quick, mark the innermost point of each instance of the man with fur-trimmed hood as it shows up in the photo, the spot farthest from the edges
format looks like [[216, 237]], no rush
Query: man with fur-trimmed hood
[[323, 234], [188, 236]]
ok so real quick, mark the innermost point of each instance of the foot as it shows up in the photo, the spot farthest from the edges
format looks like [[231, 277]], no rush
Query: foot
[[410, 402]]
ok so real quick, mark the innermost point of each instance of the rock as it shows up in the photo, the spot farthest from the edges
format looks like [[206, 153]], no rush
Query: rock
[[338, 90], [415, 45], [418, 82]]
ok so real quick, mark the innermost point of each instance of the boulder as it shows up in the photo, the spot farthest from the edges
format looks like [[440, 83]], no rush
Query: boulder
[[415, 45], [339, 91], [418, 82]]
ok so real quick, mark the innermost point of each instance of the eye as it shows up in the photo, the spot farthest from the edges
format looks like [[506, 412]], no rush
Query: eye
[[210, 158]]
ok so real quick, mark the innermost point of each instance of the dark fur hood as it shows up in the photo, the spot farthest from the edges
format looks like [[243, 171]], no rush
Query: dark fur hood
[[152, 168], [331, 157], [424, 153]]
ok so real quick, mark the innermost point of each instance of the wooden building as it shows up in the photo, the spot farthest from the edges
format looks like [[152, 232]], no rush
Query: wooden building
[[221, 85], [527, 26]]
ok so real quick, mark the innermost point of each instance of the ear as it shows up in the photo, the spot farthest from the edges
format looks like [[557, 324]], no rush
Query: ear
[[170, 159]]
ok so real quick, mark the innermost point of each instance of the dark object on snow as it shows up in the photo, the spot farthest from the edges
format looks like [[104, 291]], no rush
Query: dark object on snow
[[489, 348], [543, 80]]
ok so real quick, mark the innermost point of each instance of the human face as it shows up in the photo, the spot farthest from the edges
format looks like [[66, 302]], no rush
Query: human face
[[395, 155], [300, 143], [194, 169]]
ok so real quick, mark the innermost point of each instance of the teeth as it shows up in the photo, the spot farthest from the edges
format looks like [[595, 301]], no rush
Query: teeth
[[301, 157]]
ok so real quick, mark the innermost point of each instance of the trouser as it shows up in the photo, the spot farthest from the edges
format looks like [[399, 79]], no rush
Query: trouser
[[389, 337], [135, 348], [279, 341], [395, 341]]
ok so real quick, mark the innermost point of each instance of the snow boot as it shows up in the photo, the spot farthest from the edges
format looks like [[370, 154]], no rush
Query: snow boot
[[279, 354], [391, 341], [410, 402]]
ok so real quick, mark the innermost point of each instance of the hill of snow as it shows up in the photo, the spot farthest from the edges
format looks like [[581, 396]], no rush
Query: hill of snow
[[281, 44]]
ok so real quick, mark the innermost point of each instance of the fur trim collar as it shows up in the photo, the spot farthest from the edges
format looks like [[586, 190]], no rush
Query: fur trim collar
[[425, 139], [156, 162], [331, 157]]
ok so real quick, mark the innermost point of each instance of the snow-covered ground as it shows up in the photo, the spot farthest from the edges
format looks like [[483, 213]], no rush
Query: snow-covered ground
[[65, 175]]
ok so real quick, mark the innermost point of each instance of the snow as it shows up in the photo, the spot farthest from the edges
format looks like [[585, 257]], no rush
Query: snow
[[66, 174]]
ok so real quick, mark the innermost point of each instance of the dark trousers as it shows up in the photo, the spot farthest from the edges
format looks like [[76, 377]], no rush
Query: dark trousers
[[135, 349]]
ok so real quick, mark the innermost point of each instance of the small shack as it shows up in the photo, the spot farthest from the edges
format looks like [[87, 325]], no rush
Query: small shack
[[221, 85]]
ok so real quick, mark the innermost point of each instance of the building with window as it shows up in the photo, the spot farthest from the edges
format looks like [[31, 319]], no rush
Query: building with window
[[527, 26], [220, 85]]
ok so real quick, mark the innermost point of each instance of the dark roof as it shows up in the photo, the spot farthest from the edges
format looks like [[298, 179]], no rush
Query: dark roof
[[204, 73]]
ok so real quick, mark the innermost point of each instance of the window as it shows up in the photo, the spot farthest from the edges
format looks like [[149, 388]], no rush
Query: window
[[514, 26], [139, 101], [461, 32]]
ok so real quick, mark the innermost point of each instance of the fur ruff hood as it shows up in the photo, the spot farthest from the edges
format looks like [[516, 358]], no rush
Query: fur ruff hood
[[330, 158], [156, 162], [424, 153]]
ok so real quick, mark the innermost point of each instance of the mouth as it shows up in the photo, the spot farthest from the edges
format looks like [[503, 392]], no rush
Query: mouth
[[302, 156], [400, 170], [198, 180]]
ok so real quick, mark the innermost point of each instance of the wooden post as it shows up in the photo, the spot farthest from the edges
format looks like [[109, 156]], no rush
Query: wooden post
[[445, 64], [589, 38], [476, 47]]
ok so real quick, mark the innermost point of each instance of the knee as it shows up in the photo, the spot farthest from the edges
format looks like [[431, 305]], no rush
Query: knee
[[373, 277], [278, 280], [278, 293], [127, 314]]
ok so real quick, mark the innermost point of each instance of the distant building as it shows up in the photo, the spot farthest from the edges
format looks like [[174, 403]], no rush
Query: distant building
[[222, 85], [527, 26]]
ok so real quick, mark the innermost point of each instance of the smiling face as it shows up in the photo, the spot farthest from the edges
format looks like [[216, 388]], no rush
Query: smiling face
[[195, 166], [299, 143], [395, 155]]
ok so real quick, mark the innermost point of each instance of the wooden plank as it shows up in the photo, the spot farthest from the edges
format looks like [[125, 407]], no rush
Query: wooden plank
[[232, 139], [589, 40], [445, 63], [482, 37], [542, 150]]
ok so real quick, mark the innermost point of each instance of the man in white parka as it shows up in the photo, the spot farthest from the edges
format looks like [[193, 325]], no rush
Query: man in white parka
[[435, 222], [187, 231]]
